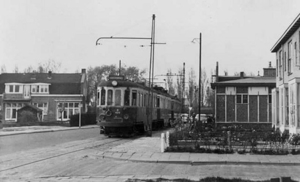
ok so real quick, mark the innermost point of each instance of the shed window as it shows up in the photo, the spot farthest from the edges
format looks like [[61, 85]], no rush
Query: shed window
[[242, 99]]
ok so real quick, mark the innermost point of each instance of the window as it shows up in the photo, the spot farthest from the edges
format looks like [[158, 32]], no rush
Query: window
[[157, 102], [109, 97], [118, 97], [290, 57], [286, 107], [280, 65], [66, 109], [43, 106], [43, 89], [242, 99], [11, 110], [11, 88], [34, 88], [270, 99], [277, 67], [296, 54], [103, 93], [134, 97], [98, 98], [17, 88], [126, 97], [285, 63]]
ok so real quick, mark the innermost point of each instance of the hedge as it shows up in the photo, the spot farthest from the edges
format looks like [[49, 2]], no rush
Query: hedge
[[86, 119]]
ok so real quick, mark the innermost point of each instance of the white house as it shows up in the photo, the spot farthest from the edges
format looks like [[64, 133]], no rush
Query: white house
[[286, 95]]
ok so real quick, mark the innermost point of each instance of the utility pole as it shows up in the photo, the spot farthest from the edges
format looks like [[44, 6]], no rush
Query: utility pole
[[200, 40], [183, 87], [119, 67]]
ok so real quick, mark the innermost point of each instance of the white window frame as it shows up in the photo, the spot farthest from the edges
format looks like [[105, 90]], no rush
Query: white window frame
[[75, 108], [9, 107], [13, 88]]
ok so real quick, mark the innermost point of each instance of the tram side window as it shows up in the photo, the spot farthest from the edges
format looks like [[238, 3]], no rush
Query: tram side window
[[134, 98], [103, 93], [118, 97], [98, 98], [157, 102], [141, 99], [109, 97], [126, 97], [146, 100]]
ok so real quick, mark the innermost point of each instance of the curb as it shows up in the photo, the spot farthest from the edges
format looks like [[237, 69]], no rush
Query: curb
[[44, 131], [198, 163]]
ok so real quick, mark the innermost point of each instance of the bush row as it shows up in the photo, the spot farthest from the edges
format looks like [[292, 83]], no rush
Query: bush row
[[86, 119], [231, 151]]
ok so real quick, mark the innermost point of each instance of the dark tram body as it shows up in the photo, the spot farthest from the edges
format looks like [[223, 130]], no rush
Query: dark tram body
[[124, 107]]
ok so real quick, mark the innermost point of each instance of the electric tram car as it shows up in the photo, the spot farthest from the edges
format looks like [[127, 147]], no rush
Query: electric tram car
[[123, 107]]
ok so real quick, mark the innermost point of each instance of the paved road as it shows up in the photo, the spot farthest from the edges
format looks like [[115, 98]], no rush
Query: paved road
[[23, 142]]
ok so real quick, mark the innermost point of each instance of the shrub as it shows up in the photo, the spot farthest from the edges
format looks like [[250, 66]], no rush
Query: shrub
[[27, 118]]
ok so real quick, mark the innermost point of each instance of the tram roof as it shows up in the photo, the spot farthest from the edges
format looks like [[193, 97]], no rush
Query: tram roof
[[131, 84]]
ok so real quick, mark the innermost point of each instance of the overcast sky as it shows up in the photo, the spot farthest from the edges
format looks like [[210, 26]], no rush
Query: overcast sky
[[237, 33]]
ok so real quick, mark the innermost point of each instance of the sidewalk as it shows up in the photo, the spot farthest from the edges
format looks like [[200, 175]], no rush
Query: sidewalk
[[6, 131], [147, 149]]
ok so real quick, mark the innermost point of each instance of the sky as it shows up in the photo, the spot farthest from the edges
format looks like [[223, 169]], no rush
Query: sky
[[236, 33]]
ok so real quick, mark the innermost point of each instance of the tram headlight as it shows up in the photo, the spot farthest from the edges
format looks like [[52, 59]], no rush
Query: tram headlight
[[108, 113], [126, 116]]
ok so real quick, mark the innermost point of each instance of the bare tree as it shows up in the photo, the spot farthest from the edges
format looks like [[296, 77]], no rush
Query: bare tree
[[50, 65], [3, 69], [170, 82], [16, 69], [192, 86], [29, 69], [45, 67]]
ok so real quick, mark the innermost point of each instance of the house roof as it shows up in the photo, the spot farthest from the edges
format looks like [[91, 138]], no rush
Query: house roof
[[60, 83], [40, 78], [287, 34], [30, 106], [253, 81]]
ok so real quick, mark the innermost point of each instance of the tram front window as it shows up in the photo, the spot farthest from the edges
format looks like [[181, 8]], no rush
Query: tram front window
[[109, 97], [103, 93], [126, 97], [118, 97]]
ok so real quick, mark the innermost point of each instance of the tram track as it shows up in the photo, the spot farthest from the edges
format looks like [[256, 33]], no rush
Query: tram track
[[111, 141]]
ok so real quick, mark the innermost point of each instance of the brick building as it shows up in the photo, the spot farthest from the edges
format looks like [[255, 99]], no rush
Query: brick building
[[59, 95], [244, 99], [286, 96]]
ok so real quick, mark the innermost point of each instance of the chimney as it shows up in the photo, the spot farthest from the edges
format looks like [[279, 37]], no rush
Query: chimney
[[49, 74], [242, 74], [33, 76], [83, 70]]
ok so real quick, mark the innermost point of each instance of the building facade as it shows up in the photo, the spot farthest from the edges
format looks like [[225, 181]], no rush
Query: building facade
[[286, 96], [241, 99], [58, 95]]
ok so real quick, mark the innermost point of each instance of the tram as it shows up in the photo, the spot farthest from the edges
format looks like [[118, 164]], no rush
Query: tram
[[124, 107]]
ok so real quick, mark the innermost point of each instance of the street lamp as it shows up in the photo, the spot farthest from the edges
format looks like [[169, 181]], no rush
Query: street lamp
[[193, 41]]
